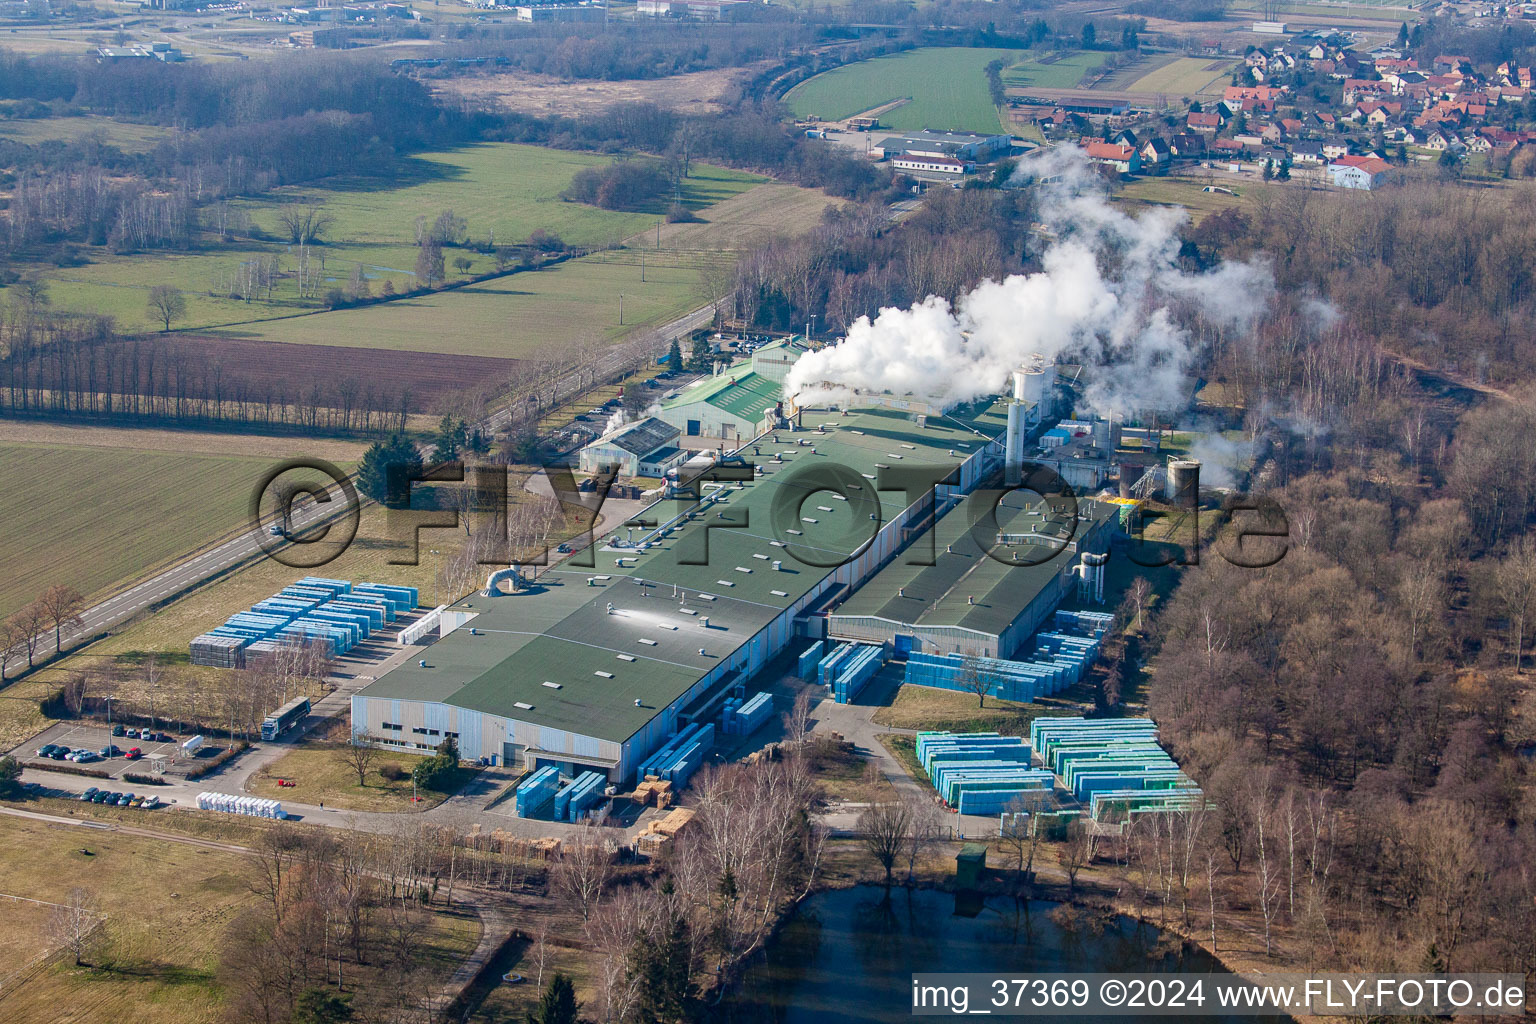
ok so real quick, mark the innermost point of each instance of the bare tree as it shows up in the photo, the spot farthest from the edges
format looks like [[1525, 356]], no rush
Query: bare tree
[[1515, 579], [360, 754], [927, 826], [305, 225], [1077, 851], [974, 678], [883, 828], [28, 624], [583, 871], [1019, 831], [166, 304], [61, 604], [73, 922], [797, 720]]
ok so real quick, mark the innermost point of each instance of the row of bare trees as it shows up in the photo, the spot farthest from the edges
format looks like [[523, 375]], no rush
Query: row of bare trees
[[55, 365], [26, 631]]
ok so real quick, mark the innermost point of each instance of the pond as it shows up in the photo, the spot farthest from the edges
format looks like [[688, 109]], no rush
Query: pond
[[848, 955]]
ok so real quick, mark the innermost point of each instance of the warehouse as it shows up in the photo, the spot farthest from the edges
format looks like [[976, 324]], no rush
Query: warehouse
[[975, 598], [646, 447], [968, 147], [730, 407], [597, 667]]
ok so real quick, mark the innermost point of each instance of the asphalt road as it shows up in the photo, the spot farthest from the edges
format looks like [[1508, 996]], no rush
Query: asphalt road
[[202, 566]]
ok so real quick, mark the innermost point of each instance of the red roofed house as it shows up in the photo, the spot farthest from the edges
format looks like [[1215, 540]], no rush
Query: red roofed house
[[1122, 158], [1204, 122], [1362, 172]]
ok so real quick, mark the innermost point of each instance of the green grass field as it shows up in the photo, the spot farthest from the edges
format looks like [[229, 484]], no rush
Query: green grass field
[[945, 87], [522, 317], [94, 517], [320, 776], [503, 191], [167, 907], [1182, 192], [126, 136], [1061, 70]]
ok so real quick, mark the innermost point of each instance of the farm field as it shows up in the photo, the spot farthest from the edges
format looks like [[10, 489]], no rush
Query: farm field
[[126, 136], [524, 316], [167, 906], [1061, 70], [95, 517], [1186, 76], [696, 92], [502, 190], [1183, 192], [946, 87], [188, 442], [763, 212]]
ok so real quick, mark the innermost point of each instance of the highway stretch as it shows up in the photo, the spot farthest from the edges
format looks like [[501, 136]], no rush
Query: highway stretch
[[204, 565]]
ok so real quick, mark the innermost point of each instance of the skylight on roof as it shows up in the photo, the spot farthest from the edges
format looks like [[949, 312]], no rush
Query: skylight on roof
[[605, 675], [520, 704], [552, 686], [626, 657], [648, 641]]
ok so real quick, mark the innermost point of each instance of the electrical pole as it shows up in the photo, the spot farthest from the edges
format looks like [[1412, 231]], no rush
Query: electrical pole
[[621, 309]]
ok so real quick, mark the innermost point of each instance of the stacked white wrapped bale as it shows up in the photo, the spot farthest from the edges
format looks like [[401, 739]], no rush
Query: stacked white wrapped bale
[[251, 806]]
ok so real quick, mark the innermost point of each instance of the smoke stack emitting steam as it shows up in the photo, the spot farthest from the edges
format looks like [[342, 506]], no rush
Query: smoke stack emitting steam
[[1119, 322]]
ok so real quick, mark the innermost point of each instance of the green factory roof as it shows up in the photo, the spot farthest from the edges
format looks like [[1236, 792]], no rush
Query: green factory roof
[[737, 391], [646, 646], [975, 582]]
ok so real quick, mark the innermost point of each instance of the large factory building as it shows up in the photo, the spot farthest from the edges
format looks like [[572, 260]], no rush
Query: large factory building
[[595, 667]]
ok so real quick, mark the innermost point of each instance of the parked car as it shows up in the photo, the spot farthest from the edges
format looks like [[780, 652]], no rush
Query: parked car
[[118, 730], [111, 750], [101, 797], [46, 750], [59, 753], [88, 793], [150, 802], [134, 753], [125, 800]]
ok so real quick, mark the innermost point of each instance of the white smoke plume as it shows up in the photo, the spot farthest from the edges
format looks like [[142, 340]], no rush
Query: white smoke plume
[[1106, 296]]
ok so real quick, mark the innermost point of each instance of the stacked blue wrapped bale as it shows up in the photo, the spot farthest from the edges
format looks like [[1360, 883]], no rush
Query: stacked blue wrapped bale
[[403, 599], [536, 792], [649, 767], [376, 606], [742, 718], [809, 659], [333, 587], [1110, 762], [826, 670], [979, 773], [573, 800], [855, 671]]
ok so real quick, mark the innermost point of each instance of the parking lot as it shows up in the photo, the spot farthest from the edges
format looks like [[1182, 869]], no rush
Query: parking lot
[[94, 736]]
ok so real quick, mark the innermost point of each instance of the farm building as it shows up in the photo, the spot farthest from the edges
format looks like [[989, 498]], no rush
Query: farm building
[[643, 448], [599, 667]]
